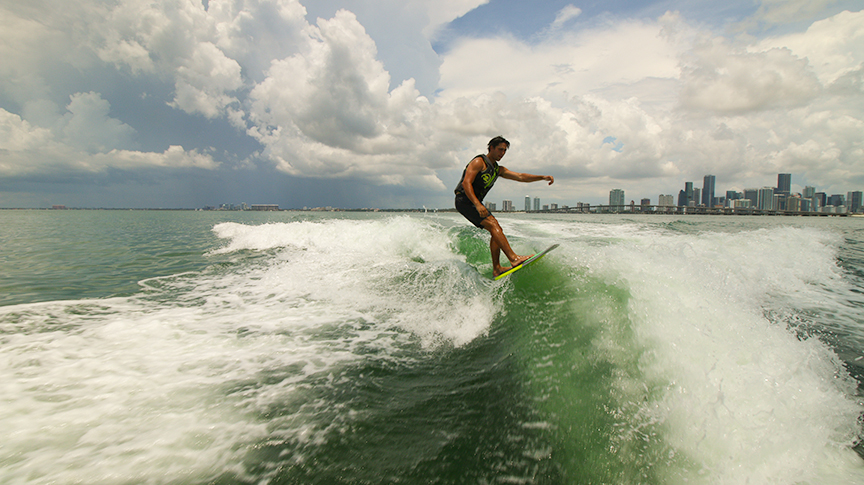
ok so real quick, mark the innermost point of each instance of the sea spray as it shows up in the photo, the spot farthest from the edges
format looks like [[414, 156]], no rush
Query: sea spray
[[366, 348]]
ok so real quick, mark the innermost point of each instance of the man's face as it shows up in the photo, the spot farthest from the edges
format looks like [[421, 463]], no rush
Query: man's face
[[497, 152]]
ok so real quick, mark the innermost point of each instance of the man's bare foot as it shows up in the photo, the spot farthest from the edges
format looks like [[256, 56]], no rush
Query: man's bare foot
[[518, 261]]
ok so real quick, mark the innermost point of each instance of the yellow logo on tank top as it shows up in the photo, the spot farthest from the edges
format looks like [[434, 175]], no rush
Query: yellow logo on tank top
[[489, 178]]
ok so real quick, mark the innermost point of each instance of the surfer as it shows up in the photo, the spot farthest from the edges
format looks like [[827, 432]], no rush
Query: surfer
[[479, 176]]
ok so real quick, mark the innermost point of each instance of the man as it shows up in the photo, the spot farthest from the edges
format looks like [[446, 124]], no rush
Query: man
[[479, 176]]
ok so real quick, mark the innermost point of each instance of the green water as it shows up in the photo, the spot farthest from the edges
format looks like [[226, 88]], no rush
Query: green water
[[355, 348]]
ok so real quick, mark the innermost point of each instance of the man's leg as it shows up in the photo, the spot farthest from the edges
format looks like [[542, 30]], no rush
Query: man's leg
[[499, 243]]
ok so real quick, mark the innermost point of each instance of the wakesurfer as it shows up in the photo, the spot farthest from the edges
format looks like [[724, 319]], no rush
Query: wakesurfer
[[477, 179]]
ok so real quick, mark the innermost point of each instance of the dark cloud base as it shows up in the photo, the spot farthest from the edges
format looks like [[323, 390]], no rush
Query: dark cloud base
[[192, 189]]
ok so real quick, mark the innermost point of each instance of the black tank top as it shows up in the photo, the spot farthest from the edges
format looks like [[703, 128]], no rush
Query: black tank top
[[483, 181]]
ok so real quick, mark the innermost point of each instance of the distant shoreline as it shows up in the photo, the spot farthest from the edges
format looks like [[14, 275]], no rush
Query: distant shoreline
[[597, 210]]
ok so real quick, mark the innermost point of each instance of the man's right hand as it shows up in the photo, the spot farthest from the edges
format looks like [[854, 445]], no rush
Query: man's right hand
[[482, 210]]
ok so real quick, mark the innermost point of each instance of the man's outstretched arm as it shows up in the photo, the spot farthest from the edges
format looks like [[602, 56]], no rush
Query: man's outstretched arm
[[524, 177]]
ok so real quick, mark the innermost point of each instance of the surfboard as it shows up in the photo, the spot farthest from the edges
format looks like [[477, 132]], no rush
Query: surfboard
[[529, 262]]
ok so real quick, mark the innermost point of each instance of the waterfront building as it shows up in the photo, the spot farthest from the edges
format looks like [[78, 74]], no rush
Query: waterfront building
[[821, 198], [793, 203], [697, 197], [741, 204], [616, 200], [536, 203], [779, 202], [752, 195], [665, 200], [765, 198], [837, 200], [507, 206], [809, 195], [708, 190], [784, 183], [854, 201], [527, 203], [491, 206], [265, 207]]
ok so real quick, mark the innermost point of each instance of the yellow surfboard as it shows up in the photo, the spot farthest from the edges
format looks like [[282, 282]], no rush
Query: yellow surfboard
[[530, 261]]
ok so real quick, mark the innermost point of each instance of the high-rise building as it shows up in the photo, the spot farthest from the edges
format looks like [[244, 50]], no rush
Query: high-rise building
[[536, 203], [853, 200], [810, 196], [821, 199], [765, 198], [779, 201], [616, 200], [784, 183], [752, 195], [708, 190], [793, 203], [697, 197], [837, 200], [507, 206], [527, 203]]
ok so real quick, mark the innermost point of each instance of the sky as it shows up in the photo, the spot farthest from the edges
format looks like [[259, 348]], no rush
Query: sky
[[381, 103]]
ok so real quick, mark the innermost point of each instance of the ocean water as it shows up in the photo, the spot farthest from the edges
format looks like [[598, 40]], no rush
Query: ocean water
[[358, 348]]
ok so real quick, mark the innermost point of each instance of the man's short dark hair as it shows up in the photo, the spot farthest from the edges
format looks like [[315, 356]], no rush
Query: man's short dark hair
[[497, 141]]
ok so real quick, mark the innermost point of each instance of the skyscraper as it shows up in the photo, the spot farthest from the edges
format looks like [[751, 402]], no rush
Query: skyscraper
[[527, 203], [708, 190], [616, 200], [784, 183], [765, 198], [853, 200], [536, 203], [752, 195]]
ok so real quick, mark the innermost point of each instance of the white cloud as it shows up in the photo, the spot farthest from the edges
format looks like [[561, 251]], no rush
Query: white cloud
[[564, 15], [441, 12], [563, 64], [833, 46], [723, 79], [632, 103], [17, 134], [88, 126], [326, 111], [774, 12]]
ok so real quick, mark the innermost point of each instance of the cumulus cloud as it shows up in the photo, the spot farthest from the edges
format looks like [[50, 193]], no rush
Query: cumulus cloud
[[724, 79], [327, 111], [88, 142], [833, 46], [564, 15], [564, 63], [18, 135], [637, 103], [89, 127]]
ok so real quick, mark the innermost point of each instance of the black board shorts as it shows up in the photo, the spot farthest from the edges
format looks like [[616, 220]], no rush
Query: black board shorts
[[467, 209]]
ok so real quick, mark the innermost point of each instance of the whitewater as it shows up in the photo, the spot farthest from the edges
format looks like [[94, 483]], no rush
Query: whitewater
[[300, 347]]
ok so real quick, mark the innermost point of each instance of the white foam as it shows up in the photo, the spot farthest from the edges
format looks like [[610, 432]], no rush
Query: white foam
[[174, 384], [743, 399]]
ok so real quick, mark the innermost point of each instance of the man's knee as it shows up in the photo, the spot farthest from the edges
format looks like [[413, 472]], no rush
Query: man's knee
[[490, 223]]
